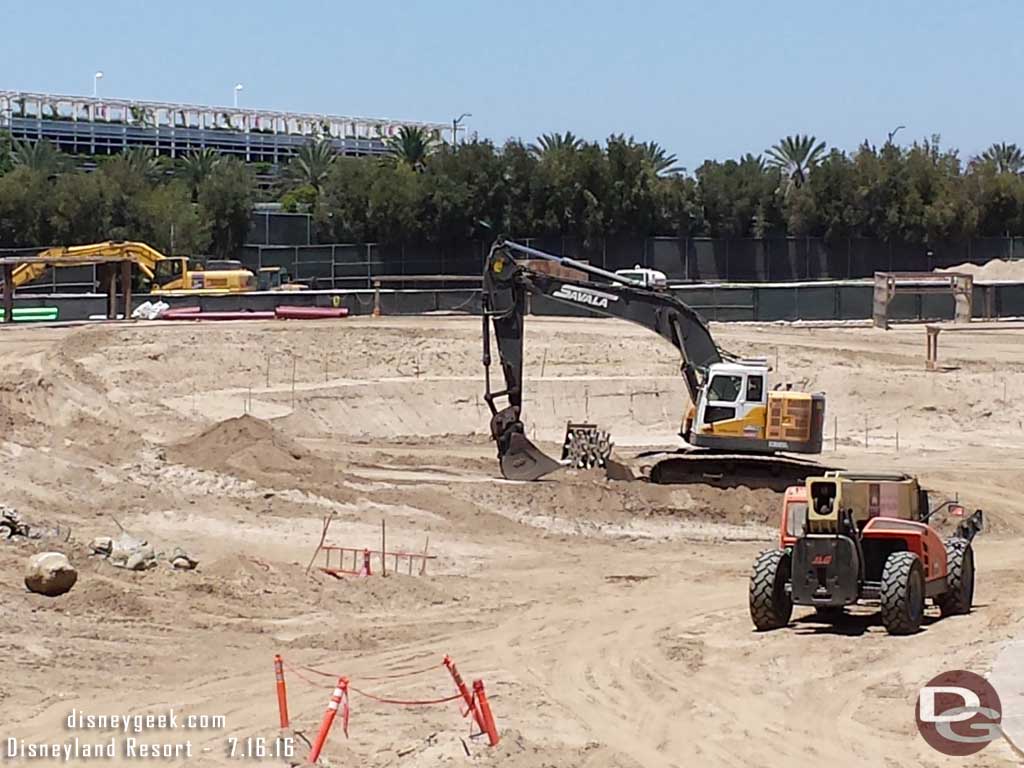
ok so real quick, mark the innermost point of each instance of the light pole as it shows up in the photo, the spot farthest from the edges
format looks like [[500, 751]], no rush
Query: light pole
[[238, 87], [893, 132], [455, 127], [96, 84]]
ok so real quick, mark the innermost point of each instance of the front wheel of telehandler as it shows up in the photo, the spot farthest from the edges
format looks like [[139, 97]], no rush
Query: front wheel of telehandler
[[770, 604]]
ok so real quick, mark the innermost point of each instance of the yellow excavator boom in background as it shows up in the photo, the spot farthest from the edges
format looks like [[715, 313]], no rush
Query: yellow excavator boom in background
[[147, 258], [165, 274]]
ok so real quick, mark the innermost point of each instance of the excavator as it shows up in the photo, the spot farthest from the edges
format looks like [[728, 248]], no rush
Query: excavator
[[735, 425], [167, 275]]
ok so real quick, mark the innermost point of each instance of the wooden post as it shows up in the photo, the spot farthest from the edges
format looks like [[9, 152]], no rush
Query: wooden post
[[8, 293], [835, 434], [383, 547], [126, 287], [293, 381]]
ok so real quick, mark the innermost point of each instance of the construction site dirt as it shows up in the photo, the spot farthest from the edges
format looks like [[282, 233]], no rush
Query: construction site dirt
[[608, 618]]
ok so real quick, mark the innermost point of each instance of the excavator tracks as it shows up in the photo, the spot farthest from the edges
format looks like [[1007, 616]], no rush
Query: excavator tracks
[[726, 470]]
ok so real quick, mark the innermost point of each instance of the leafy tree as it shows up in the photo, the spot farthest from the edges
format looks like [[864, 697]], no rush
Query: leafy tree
[[999, 200], [81, 209], [311, 164], [740, 199], [26, 204], [394, 200], [196, 167], [225, 204], [171, 223], [1007, 158], [412, 145], [795, 156], [299, 199], [6, 148], [342, 215]]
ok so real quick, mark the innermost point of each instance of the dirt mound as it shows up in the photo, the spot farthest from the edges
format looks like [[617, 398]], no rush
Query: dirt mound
[[244, 441], [997, 269], [587, 495], [102, 598]]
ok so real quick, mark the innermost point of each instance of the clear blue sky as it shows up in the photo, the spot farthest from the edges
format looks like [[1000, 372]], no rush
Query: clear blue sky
[[705, 79]]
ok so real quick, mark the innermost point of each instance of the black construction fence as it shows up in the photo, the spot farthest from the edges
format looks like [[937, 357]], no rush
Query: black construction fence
[[683, 260]]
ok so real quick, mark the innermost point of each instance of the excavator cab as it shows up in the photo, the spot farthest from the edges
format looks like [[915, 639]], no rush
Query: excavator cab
[[169, 274], [735, 410]]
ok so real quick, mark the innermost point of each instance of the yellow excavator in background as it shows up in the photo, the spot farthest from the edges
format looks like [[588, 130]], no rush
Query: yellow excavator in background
[[165, 274]]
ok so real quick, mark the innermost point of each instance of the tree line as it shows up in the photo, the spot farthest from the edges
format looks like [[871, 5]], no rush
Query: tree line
[[425, 191]]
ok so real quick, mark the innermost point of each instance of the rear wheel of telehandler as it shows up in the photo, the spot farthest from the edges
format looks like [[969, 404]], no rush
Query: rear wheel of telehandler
[[902, 593], [770, 603], [959, 594]]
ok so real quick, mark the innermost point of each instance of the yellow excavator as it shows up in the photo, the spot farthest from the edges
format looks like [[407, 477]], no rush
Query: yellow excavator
[[164, 274]]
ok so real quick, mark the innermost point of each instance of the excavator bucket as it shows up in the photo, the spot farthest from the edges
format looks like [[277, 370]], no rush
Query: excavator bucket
[[523, 460]]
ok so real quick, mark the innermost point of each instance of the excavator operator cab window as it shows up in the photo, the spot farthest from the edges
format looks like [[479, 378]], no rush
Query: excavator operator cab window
[[725, 388], [755, 389], [167, 270]]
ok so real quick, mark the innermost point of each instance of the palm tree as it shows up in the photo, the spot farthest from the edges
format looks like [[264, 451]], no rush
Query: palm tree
[[795, 156], [755, 160], [661, 161], [41, 156], [142, 161], [556, 142], [197, 166], [1007, 158], [311, 164], [412, 145]]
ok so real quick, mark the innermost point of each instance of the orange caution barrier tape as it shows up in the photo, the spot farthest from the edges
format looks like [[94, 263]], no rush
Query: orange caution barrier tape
[[406, 702]]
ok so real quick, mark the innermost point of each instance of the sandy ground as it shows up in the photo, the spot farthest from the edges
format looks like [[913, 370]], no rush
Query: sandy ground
[[608, 620]]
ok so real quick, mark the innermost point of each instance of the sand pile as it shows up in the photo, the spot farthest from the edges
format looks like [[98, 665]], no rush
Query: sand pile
[[997, 269], [241, 442]]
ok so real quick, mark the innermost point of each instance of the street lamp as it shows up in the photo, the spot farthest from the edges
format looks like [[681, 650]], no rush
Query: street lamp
[[238, 87], [455, 127], [893, 132], [96, 84]]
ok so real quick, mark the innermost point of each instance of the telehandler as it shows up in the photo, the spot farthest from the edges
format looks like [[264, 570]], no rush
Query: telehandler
[[848, 538]]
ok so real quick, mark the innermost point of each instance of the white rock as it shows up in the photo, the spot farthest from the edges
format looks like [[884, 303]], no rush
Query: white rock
[[50, 574]]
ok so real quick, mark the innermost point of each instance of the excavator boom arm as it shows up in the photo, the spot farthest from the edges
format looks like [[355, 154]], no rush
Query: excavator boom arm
[[511, 274], [146, 258]]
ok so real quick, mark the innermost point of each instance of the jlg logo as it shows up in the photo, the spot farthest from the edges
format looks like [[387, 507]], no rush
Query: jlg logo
[[822, 560]]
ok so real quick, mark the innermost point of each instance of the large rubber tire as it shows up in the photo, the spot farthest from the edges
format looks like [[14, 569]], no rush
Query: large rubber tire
[[770, 604], [959, 596], [902, 593]]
